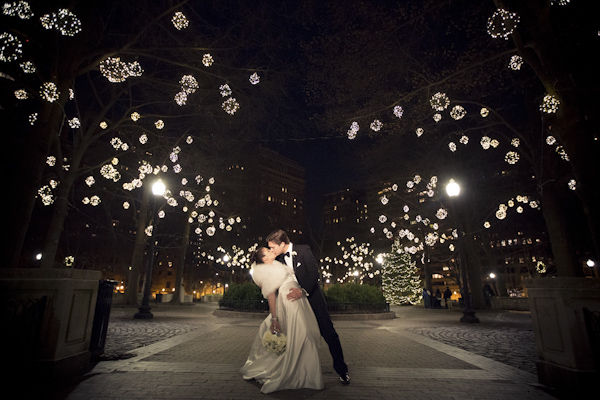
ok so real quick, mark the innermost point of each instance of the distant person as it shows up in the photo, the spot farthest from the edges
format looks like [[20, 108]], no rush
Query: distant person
[[298, 366], [426, 298], [437, 298], [447, 297], [487, 294], [300, 259]]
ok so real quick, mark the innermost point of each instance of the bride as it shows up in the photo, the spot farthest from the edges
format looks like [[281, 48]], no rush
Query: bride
[[299, 365]]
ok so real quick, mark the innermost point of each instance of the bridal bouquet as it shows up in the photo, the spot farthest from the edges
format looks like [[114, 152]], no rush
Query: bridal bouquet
[[274, 342]]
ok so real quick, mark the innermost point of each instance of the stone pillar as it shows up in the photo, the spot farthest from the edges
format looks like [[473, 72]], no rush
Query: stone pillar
[[564, 345], [59, 347]]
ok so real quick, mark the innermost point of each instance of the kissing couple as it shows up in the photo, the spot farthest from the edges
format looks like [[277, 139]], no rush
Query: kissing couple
[[288, 275]]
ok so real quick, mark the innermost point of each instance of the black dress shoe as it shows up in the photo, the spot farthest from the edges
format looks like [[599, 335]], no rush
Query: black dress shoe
[[345, 379]]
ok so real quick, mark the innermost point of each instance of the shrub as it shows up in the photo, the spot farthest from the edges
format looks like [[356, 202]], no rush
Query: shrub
[[243, 296], [354, 293]]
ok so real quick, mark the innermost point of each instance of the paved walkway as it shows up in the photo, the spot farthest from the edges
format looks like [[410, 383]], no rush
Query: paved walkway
[[186, 352]]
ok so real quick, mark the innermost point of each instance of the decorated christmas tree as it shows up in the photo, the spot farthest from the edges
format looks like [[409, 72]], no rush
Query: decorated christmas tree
[[401, 281]]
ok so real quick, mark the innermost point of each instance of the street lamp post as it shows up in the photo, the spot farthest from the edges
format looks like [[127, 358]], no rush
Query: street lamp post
[[158, 189], [453, 190]]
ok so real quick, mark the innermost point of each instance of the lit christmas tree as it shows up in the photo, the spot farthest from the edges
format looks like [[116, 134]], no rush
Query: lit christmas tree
[[400, 279]]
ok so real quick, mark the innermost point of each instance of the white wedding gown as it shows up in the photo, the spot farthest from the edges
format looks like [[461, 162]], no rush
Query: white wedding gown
[[299, 366]]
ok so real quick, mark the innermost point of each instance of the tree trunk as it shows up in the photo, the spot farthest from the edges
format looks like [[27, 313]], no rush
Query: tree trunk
[[137, 258], [179, 292], [29, 159], [560, 239], [473, 272]]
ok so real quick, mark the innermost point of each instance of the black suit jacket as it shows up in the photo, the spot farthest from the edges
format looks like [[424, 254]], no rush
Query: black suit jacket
[[307, 273]]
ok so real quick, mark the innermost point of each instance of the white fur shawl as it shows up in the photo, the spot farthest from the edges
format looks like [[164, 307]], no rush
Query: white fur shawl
[[270, 276]]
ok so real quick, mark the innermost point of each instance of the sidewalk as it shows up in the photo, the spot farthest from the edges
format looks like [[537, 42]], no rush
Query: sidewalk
[[189, 353]]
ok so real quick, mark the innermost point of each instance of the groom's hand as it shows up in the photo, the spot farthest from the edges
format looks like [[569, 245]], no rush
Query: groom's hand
[[294, 294]]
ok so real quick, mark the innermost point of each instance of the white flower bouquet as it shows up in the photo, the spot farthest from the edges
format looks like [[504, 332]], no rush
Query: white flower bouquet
[[274, 342]]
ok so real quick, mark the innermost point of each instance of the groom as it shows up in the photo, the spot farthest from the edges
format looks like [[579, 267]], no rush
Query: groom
[[301, 260]]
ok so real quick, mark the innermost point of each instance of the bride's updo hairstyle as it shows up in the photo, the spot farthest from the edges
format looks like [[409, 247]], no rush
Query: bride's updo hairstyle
[[257, 256]]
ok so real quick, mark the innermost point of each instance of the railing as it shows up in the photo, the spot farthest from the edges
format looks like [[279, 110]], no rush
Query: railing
[[510, 303], [22, 322]]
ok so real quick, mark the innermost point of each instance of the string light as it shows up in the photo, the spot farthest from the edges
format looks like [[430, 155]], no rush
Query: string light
[[49, 92], [441, 213], [254, 79], [515, 63], [376, 125], [452, 146], [135, 116], [74, 123], [33, 118], [562, 153], [21, 94], [512, 157], [439, 101], [181, 98], [502, 24], [28, 67], [419, 132], [207, 60], [21, 9], [188, 83], [398, 111], [117, 71], [45, 194], [353, 131], [549, 104], [572, 184], [159, 124], [515, 142], [437, 117], [180, 21], [458, 112], [225, 90], [10, 47], [103, 125], [230, 106], [64, 21], [484, 112]]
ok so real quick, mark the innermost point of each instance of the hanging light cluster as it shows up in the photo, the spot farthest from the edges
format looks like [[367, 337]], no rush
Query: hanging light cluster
[[189, 84], [49, 92], [439, 101], [376, 125], [516, 62], [549, 104], [180, 21], [117, 71], [502, 24], [64, 21], [11, 47], [356, 261], [254, 79], [207, 60], [20, 9]]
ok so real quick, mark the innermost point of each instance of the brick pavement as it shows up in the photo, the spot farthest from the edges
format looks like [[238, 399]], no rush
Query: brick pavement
[[187, 352]]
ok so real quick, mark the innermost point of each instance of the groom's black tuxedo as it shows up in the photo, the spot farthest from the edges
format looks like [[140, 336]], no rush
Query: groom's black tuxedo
[[307, 273]]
